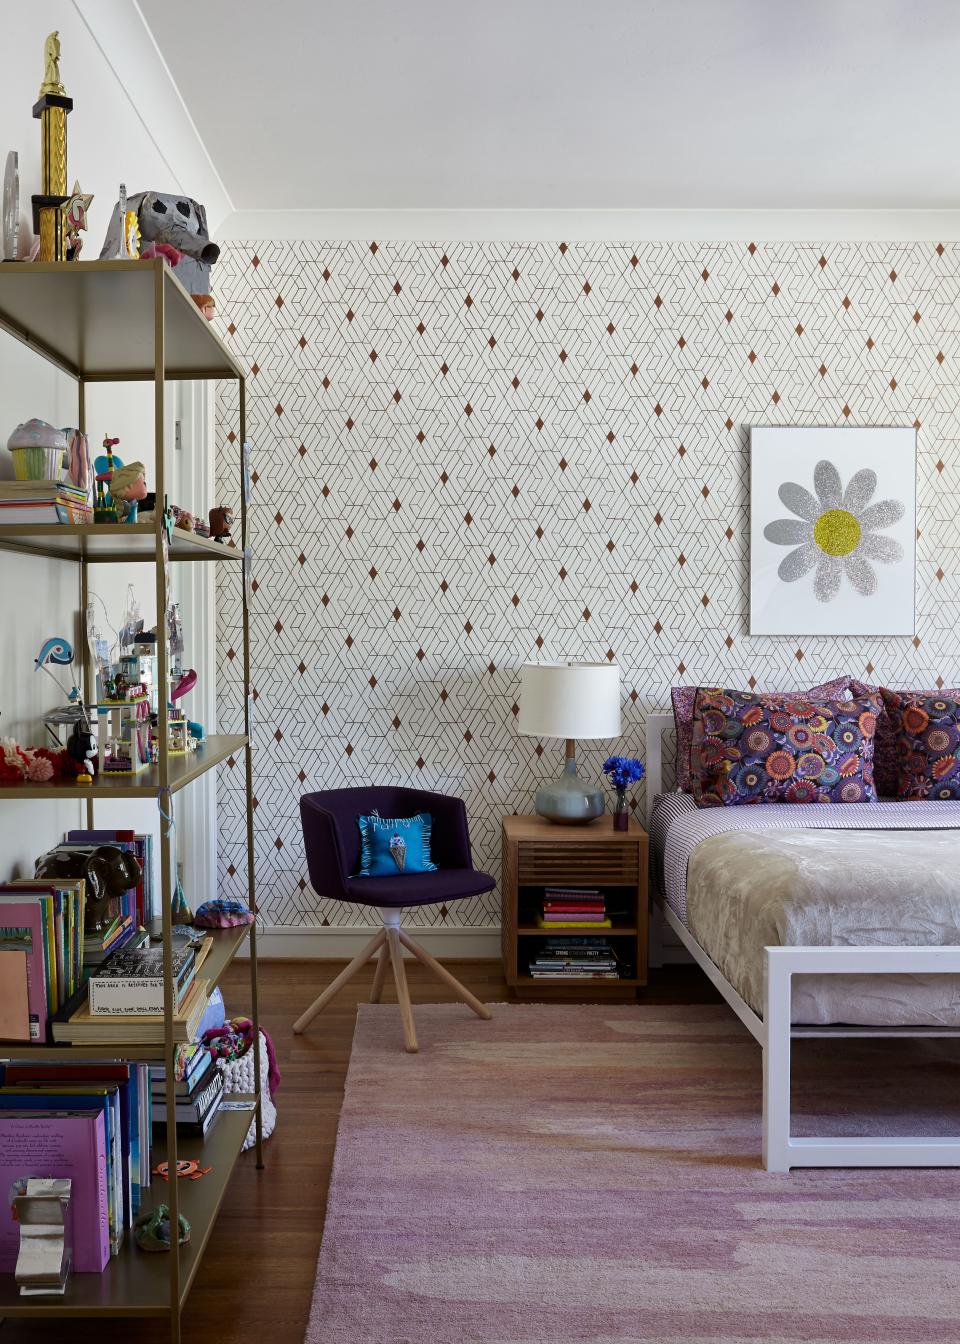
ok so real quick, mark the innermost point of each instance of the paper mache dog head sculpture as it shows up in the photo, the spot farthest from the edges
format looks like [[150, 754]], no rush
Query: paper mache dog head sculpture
[[176, 221]]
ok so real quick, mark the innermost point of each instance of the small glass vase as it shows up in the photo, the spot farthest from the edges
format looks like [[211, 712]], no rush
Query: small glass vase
[[621, 813]]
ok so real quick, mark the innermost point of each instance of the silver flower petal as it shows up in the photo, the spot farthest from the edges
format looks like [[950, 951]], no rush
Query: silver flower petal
[[861, 574], [884, 513], [788, 531], [827, 483], [875, 547], [799, 501], [798, 563], [859, 492], [829, 573]]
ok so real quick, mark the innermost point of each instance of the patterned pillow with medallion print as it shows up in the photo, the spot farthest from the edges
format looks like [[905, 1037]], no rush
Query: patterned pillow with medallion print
[[886, 755], [926, 728], [782, 749], [684, 698]]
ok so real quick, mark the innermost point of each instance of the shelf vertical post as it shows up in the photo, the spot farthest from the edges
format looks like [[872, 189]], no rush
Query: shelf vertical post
[[165, 797], [88, 683], [248, 767]]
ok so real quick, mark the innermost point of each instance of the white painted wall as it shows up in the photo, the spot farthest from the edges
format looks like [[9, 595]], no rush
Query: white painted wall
[[594, 225]]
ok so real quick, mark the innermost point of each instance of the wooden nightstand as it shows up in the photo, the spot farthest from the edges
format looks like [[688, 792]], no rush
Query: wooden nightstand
[[538, 854]]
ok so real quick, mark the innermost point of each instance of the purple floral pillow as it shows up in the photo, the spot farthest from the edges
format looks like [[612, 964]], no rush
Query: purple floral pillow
[[749, 748], [683, 698], [926, 733], [886, 757]]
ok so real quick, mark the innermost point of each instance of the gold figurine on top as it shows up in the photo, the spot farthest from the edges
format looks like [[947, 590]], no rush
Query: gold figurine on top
[[51, 66]]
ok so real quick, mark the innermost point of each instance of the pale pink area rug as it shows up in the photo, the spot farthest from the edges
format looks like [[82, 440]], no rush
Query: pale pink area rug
[[592, 1173]]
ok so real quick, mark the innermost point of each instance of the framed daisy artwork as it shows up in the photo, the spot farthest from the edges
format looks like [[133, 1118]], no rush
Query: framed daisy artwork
[[832, 531]]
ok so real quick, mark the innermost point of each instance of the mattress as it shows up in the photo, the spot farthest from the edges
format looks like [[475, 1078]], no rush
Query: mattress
[[874, 874]]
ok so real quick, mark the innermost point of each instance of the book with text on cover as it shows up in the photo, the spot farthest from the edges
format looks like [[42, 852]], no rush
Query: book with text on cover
[[45, 1144], [131, 981]]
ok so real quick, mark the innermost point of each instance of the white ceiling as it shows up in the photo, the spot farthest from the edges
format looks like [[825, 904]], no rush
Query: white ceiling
[[572, 104]]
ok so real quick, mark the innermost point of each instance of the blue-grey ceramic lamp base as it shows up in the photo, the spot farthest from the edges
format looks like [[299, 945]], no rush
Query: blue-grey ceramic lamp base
[[569, 800]]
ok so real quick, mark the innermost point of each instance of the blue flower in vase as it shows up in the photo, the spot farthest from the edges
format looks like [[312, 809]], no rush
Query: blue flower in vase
[[622, 771]]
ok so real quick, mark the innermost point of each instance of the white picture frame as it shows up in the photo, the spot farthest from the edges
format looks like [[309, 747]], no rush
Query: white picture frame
[[833, 531]]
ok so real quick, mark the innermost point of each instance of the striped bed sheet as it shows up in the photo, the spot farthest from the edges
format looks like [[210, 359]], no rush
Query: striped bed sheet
[[677, 826]]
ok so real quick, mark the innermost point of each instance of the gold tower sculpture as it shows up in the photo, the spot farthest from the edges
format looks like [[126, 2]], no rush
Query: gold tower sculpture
[[51, 110]]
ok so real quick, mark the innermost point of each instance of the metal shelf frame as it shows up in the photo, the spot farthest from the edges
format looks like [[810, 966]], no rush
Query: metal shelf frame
[[114, 321]]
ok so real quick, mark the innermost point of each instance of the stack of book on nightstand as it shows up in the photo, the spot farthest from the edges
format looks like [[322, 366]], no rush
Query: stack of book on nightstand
[[573, 908], [575, 959]]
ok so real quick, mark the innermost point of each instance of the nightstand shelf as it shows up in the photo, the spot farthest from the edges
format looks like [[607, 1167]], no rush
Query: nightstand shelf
[[538, 854]]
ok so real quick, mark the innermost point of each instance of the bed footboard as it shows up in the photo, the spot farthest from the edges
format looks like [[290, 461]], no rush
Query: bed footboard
[[781, 1150]]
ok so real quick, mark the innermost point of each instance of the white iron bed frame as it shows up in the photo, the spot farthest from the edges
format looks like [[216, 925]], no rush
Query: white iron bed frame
[[774, 1031]]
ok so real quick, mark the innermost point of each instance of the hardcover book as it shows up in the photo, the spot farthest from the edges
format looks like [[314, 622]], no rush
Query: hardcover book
[[131, 981], [45, 1144]]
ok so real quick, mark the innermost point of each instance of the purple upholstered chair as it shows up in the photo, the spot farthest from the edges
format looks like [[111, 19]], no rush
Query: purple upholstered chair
[[332, 840]]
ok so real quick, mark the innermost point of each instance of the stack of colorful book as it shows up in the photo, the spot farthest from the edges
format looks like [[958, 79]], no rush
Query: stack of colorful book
[[573, 908], [92, 1123], [120, 932], [41, 953], [575, 959], [43, 502], [199, 1092]]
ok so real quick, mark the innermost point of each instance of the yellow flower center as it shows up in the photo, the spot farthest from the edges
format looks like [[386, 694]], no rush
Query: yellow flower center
[[837, 532]]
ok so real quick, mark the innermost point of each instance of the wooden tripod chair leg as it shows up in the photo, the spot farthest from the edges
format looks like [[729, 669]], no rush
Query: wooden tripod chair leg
[[359, 961], [403, 994], [380, 974], [449, 980]]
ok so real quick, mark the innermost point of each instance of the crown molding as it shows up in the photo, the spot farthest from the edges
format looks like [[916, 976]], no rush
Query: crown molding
[[598, 225], [123, 37]]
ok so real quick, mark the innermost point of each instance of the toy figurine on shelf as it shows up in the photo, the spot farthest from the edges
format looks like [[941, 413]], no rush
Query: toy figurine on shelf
[[104, 508], [221, 521], [128, 487], [82, 748], [207, 305]]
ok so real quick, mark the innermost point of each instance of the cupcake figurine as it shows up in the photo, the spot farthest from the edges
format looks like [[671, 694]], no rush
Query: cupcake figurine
[[398, 851]]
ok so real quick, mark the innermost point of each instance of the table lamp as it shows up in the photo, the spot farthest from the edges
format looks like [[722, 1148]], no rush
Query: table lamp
[[569, 700]]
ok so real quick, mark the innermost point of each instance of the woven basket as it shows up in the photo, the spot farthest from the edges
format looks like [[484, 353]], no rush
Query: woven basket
[[238, 1076]]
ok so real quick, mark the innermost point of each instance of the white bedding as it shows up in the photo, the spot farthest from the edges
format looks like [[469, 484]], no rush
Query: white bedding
[[885, 874]]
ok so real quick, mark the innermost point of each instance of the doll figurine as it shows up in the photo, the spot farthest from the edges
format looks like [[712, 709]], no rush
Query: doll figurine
[[206, 303], [221, 521], [127, 487]]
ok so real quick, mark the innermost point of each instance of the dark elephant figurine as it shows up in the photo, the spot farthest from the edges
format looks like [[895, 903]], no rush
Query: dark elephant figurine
[[107, 871]]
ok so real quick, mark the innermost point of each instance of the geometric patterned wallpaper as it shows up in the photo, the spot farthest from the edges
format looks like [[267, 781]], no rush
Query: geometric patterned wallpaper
[[472, 455]]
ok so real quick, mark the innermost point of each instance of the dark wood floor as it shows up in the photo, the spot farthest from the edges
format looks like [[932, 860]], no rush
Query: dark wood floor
[[256, 1279]]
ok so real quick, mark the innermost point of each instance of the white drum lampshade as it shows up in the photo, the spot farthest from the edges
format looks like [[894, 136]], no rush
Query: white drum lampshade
[[570, 700]]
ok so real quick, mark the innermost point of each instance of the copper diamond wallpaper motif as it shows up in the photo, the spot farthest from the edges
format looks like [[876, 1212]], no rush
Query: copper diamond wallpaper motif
[[472, 455]]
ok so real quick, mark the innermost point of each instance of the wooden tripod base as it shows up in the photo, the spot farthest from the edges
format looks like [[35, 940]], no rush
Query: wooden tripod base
[[387, 945]]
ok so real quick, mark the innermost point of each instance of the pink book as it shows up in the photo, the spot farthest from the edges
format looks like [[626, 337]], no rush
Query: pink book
[[24, 919], [46, 1143]]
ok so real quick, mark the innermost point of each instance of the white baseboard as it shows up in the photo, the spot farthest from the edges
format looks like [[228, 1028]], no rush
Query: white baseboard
[[338, 944]]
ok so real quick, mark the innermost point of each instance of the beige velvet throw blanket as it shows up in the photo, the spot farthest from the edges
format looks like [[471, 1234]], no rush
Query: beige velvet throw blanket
[[747, 890]]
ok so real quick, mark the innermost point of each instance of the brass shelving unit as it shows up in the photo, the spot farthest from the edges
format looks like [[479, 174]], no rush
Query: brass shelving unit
[[116, 321]]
